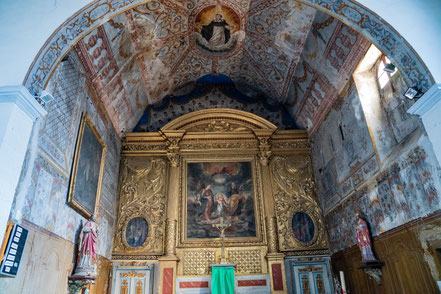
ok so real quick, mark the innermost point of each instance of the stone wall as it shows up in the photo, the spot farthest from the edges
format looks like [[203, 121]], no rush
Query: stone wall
[[391, 184], [41, 195]]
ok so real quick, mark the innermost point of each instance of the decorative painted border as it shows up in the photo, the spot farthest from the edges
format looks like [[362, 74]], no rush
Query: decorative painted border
[[370, 25]]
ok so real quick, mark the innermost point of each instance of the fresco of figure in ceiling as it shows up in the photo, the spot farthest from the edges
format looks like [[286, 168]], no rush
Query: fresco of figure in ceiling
[[217, 29]]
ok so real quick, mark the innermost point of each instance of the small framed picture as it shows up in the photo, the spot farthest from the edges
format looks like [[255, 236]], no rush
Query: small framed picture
[[87, 170], [303, 227]]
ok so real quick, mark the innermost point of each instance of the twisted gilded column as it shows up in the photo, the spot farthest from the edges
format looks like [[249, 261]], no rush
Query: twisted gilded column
[[271, 231], [170, 237]]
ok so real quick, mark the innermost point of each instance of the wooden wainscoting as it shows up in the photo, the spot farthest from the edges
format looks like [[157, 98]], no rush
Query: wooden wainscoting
[[411, 254]]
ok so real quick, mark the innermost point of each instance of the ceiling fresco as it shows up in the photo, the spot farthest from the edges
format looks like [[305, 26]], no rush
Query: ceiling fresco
[[140, 56]]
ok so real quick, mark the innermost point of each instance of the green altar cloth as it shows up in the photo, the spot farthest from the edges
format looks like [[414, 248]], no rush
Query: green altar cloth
[[222, 280]]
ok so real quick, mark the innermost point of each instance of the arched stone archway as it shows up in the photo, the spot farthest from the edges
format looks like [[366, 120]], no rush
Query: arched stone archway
[[353, 14]]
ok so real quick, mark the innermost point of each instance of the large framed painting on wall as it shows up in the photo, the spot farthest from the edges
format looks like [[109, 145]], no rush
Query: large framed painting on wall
[[87, 170], [220, 191]]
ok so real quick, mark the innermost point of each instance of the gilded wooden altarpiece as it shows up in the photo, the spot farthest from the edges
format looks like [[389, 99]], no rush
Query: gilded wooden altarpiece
[[279, 168]]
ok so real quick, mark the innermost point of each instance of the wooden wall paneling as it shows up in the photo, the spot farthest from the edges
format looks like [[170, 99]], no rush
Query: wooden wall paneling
[[101, 285], [405, 271]]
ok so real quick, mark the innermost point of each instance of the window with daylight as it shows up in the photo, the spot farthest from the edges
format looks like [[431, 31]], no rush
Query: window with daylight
[[383, 75]]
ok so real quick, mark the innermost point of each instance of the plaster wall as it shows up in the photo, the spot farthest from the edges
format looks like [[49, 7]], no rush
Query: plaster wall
[[45, 259], [391, 186], [41, 195], [26, 25]]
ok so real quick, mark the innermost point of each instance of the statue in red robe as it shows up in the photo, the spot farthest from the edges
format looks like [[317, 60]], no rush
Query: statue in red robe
[[364, 239], [87, 249]]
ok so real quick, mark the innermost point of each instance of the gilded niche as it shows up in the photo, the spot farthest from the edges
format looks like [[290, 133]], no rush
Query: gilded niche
[[140, 227], [299, 218]]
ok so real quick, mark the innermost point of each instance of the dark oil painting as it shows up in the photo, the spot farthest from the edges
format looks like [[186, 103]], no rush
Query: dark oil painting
[[88, 170], [220, 192], [136, 231], [303, 227]]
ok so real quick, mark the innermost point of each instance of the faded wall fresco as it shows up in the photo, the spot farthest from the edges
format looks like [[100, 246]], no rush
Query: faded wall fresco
[[405, 190], [331, 53], [341, 146], [402, 186], [41, 196]]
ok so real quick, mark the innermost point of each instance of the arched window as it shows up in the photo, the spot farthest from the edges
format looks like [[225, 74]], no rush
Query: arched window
[[385, 71]]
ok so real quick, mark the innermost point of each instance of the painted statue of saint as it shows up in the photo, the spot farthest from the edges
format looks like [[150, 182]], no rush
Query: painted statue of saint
[[217, 32], [364, 239], [87, 249]]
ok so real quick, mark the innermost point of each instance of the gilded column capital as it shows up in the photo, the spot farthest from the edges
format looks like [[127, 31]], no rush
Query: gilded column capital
[[173, 156], [263, 137], [172, 139]]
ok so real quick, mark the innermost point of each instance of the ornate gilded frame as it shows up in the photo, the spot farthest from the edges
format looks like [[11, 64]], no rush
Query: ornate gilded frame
[[260, 239], [86, 121]]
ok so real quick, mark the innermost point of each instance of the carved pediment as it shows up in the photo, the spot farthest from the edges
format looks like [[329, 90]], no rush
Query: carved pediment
[[220, 120]]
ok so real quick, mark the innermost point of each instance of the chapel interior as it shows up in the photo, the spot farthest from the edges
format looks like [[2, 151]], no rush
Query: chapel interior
[[227, 146]]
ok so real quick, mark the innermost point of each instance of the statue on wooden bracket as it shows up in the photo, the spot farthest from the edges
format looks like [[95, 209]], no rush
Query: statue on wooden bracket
[[85, 272], [87, 249], [369, 263], [363, 238]]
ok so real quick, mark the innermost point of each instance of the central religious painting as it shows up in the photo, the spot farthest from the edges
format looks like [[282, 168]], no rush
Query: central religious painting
[[217, 29], [220, 192]]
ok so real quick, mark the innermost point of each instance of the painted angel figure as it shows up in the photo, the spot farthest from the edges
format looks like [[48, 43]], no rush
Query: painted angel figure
[[364, 239], [87, 249]]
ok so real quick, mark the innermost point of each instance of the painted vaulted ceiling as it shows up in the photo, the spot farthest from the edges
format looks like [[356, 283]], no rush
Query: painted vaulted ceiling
[[277, 52]]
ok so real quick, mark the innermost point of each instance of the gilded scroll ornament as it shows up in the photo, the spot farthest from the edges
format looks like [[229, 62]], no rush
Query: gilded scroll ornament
[[218, 126], [218, 145], [294, 193], [298, 144], [142, 195], [143, 147], [132, 274]]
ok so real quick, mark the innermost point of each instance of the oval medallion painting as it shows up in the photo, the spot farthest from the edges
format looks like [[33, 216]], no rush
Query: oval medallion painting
[[136, 231], [303, 227], [217, 29]]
